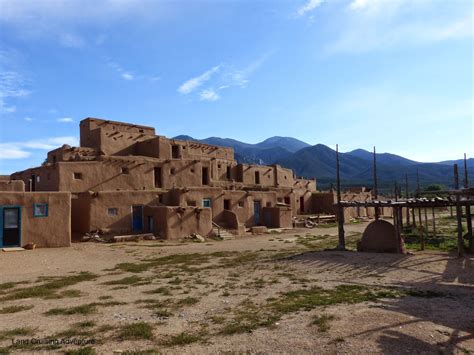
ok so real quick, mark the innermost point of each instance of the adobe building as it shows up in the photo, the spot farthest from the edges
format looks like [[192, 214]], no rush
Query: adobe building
[[125, 179]]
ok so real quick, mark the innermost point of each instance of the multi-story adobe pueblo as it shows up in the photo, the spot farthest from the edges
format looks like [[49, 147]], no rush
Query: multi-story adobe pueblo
[[126, 179]]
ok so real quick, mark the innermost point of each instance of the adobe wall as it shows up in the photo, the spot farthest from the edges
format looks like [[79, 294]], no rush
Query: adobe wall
[[105, 175], [46, 178], [278, 217], [12, 185], [53, 230], [240, 202], [111, 137], [123, 201], [323, 202], [177, 222]]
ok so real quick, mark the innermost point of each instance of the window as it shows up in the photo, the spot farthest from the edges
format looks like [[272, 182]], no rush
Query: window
[[205, 176], [172, 171], [241, 203], [78, 176], [228, 173], [125, 170], [206, 202], [40, 210], [157, 172], [257, 177], [227, 204], [287, 200], [112, 211], [175, 152]]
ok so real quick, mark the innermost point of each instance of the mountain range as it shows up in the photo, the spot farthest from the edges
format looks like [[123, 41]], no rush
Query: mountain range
[[319, 161]]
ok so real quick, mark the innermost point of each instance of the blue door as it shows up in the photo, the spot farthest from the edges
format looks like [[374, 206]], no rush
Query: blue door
[[137, 218], [10, 226], [256, 212]]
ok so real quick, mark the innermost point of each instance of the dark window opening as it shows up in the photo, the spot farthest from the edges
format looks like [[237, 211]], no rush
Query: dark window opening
[[160, 198], [175, 151], [241, 203], [54, 159], [287, 200], [257, 177], [227, 204], [172, 171], [125, 170], [157, 172], [78, 176], [228, 173], [269, 204], [205, 176]]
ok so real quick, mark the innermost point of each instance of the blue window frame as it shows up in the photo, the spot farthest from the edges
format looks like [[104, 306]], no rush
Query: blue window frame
[[206, 202], [40, 210]]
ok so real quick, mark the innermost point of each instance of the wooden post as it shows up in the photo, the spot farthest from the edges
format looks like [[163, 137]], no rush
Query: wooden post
[[413, 217], [340, 209], [468, 211], [433, 221], [420, 228], [426, 221], [396, 224], [376, 193], [458, 212], [407, 197]]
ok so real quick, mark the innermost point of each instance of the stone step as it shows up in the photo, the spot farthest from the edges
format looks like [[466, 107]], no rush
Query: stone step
[[223, 234]]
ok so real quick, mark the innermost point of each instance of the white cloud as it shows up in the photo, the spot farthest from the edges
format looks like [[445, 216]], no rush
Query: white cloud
[[127, 76], [193, 83], [209, 95], [65, 120], [28, 119], [11, 152], [222, 76], [71, 40], [21, 150], [308, 7], [12, 83]]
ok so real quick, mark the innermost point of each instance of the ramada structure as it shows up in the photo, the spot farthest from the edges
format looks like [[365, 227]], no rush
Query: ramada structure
[[125, 179]]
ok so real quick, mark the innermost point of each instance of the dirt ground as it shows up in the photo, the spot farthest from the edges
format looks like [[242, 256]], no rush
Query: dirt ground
[[271, 293]]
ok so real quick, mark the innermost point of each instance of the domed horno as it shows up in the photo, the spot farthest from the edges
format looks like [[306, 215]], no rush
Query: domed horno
[[379, 236]]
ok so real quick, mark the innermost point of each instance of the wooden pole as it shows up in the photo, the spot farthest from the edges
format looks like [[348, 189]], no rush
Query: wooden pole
[[420, 229], [468, 210], [413, 217], [376, 193], [396, 224], [434, 221], [458, 213], [340, 209], [407, 197], [426, 221]]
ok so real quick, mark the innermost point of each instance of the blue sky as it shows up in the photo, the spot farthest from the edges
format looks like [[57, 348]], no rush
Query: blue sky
[[396, 74]]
